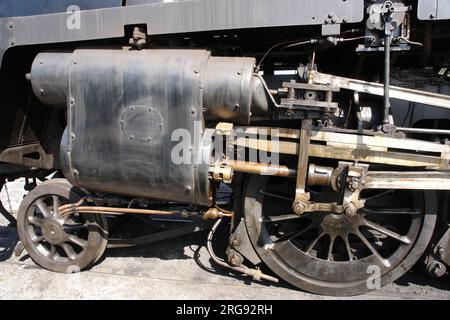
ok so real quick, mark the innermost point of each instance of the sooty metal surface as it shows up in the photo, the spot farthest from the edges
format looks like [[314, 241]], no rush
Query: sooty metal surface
[[123, 107]]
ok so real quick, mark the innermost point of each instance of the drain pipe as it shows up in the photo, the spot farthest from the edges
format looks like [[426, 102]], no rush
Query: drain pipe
[[255, 273]]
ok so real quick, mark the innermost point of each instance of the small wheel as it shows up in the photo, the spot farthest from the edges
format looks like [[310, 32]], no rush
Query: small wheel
[[61, 244], [336, 254]]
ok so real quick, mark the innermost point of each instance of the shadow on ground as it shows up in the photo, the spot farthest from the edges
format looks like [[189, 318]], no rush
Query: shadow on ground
[[8, 241], [193, 247], [420, 278]]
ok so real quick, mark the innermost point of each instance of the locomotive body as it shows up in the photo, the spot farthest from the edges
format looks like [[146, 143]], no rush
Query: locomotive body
[[317, 129]]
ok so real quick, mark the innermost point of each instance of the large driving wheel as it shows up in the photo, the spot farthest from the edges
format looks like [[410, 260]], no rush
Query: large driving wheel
[[62, 244], [336, 254]]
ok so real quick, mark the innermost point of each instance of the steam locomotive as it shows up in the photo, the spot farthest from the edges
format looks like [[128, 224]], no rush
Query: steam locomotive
[[316, 130]]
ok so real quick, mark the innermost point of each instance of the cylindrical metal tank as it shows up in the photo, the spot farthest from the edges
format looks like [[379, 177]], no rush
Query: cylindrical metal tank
[[231, 91], [136, 119]]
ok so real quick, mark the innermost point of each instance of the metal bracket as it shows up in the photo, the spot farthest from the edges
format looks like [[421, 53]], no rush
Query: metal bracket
[[240, 242], [301, 196]]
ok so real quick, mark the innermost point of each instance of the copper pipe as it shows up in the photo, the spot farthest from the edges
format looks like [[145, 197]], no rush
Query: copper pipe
[[261, 169], [110, 210], [76, 208], [74, 205]]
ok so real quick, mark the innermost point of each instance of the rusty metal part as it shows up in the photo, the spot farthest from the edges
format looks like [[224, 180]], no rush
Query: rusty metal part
[[354, 139], [355, 180], [296, 90], [301, 196], [261, 169], [317, 175], [221, 173], [32, 155], [349, 147], [318, 207], [256, 274], [240, 242], [320, 175]]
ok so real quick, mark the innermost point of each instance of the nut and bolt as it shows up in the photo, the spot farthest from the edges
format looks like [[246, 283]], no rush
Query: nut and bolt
[[350, 210], [440, 252], [299, 207], [235, 261], [437, 269]]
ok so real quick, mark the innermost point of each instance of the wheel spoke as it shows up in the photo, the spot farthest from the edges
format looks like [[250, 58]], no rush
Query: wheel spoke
[[78, 241], [43, 208], [386, 231], [294, 234], [35, 221], [53, 252], [274, 195], [56, 204], [71, 254], [68, 228], [313, 243], [281, 218], [330, 249], [366, 242], [36, 239], [379, 195], [348, 249], [400, 211]]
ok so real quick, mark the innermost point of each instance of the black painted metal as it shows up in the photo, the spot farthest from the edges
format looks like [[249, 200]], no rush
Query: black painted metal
[[15, 8]]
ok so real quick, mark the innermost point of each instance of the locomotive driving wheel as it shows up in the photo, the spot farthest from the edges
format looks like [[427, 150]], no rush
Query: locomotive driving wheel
[[337, 254], [58, 243]]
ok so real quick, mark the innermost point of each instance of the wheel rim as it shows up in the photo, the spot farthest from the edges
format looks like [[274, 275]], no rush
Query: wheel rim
[[59, 239], [61, 244], [331, 253]]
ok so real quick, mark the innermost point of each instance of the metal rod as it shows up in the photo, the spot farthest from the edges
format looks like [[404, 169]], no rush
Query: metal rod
[[425, 131], [303, 158], [417, 96], [387, 75], [426, 180], [261, 169]]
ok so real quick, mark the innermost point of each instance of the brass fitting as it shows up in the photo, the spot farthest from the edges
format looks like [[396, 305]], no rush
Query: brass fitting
[[222, 173], [215, 213]]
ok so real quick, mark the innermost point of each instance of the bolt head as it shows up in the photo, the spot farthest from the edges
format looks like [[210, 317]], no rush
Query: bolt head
[[438, 269], [299, 207], [350, 210]]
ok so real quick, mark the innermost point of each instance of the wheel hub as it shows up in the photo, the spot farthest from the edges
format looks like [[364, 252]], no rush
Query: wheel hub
[[339, 224], [53, 231]]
